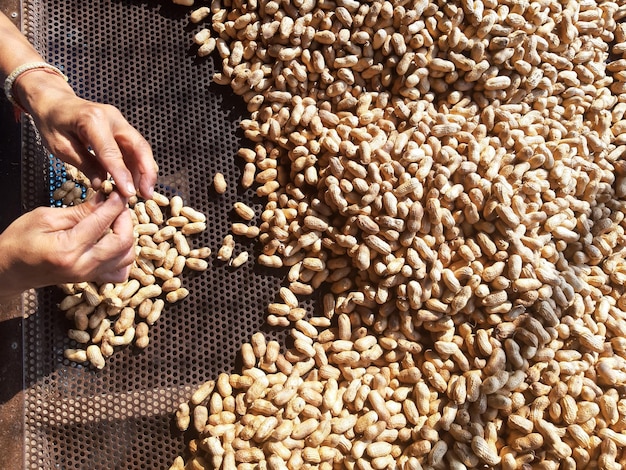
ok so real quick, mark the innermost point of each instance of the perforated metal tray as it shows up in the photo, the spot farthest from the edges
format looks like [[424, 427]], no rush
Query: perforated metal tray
[[137, 56]]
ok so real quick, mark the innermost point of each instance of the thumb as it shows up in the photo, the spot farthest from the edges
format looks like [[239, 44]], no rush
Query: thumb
[[74, 214], [91, 222]]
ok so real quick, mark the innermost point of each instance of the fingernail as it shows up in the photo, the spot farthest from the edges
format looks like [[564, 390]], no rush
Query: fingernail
[[130, 189]]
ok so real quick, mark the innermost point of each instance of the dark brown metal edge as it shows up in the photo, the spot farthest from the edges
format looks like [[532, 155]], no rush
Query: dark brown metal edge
[[13, 9], [11, 364]]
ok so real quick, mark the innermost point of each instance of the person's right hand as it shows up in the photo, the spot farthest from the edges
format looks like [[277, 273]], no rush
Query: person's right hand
[[69, 126], [92, 241]]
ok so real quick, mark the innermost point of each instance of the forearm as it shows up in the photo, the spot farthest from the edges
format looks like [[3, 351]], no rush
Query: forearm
[[15, 50]]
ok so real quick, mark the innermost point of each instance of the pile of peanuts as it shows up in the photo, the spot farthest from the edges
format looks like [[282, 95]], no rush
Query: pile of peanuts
[[451, 175], [73, 189], [108, 316]]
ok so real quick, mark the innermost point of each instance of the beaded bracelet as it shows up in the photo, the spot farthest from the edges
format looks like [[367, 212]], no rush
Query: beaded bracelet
[[13, 76]]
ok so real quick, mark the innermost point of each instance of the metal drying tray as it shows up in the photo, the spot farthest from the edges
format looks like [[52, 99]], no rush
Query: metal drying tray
[[138, 56]]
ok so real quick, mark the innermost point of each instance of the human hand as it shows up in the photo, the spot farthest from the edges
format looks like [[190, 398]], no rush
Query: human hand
[[92, 241], [70, 126]]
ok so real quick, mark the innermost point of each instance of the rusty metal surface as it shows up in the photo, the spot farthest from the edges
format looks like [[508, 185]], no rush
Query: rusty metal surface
[[11, 366], [11, 382], [138, 55], [13, 9]]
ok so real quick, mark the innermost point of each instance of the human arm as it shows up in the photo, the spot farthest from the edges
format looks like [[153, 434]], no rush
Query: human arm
[[70, 125]]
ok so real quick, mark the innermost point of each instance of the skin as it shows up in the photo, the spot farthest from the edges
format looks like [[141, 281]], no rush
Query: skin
[[93, 241]]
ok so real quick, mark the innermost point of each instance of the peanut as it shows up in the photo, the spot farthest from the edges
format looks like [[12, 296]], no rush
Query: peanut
[[94, 356], [239, 260], [152, 275], [244, 211], [177, 295], [226, 250], [219, 183], [452, 175]]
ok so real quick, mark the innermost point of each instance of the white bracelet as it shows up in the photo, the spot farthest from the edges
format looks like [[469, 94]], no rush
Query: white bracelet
[[13, 76]]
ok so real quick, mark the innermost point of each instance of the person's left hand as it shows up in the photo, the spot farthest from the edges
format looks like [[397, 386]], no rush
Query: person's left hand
[[93, 241], [70, 126]]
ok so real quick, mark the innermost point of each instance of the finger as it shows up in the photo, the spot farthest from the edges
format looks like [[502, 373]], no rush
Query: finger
[[72, 150], [123, 225], [113, 253], [101, 139], [67, 218], [118, 244], [118, 275], [113, 256], [88, 164], [139, 158], [93, 222]]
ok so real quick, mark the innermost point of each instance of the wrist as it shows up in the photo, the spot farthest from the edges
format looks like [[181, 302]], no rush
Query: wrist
[[33, 88]]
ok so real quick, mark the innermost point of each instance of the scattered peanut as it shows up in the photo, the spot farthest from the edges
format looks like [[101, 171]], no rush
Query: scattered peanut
[[226, 250], [94, 356], [239, 260], [219, 183], [244, 211]]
